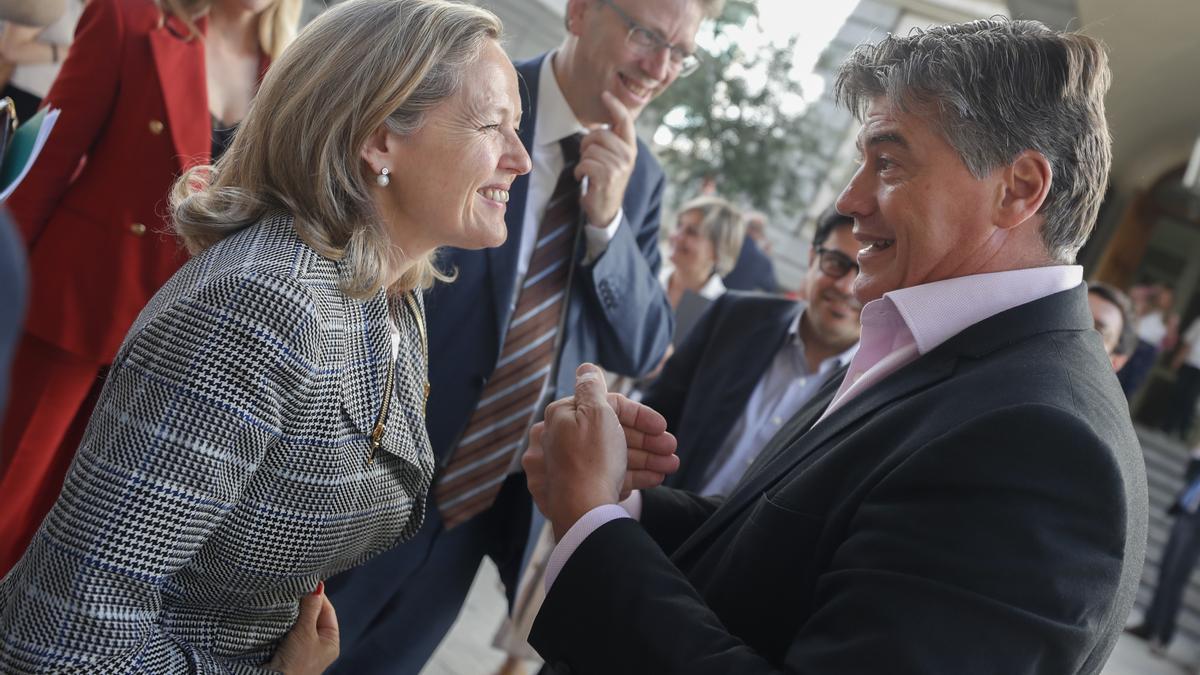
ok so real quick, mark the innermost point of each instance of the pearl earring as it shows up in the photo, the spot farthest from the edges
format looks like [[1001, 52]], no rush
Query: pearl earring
[[383, 178]]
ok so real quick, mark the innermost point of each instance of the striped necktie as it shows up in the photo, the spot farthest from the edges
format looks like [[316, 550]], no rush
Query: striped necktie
[[511, 399]]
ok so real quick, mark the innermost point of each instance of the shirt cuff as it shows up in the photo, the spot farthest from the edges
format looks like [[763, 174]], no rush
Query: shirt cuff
[[633, 504], [582, 529], [598, 237]]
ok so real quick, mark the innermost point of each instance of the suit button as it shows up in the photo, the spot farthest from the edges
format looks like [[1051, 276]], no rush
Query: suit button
[[137, 229], [156, 127], [481, 380]]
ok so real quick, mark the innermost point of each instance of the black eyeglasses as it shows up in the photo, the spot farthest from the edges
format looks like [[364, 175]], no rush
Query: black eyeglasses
[[645, 41], [835, 263]]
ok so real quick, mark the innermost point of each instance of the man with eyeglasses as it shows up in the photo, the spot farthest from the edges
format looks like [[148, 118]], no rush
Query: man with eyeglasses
[[753, 360], [575, 281]]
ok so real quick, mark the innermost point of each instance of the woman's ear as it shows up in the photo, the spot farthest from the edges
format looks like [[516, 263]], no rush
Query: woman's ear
[[381, 150], [1026, 183]]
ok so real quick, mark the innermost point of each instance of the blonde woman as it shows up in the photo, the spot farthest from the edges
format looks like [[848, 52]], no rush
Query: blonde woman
[[704, 246], [147, 90], [262, 426]]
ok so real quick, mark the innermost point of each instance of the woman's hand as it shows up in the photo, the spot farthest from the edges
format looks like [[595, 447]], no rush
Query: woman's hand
[[313, 643]]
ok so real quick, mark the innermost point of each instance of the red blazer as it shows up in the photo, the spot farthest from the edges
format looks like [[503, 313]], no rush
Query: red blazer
[[134, 100]]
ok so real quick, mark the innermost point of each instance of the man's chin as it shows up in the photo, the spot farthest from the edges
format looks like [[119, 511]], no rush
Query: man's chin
[[866, 290]]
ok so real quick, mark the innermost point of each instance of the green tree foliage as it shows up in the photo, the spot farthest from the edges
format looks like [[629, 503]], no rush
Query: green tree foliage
[[747, 138]]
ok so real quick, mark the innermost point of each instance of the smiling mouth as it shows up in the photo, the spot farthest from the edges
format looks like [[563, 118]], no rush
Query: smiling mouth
[[876, 246], [638, 90], [494, 194]]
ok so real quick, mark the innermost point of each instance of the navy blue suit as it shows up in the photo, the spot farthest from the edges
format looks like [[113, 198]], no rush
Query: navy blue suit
[[753, 270], [705, 385], [394, 610]]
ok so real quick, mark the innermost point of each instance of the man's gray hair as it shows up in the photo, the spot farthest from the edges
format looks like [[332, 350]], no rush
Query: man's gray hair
[[997, 88]]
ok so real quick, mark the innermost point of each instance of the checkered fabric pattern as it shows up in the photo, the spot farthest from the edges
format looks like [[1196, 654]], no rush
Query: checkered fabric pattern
[[224, 471]]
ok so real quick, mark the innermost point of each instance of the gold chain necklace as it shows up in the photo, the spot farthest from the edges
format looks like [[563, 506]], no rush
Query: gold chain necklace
[[377, 431]]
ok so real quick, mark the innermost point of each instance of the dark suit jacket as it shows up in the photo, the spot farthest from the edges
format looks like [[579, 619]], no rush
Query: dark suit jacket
[[753, 270], [705, 385], [982, 510], [618, 315]]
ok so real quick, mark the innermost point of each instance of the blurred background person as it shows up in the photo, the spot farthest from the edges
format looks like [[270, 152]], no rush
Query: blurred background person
[[702, 248], [753, 361], [704, 245], [262, 426], [35, 55], [1176, 565], [146, 93], [753, 270], [1113, 315], [1157, 329], [1185, 393]]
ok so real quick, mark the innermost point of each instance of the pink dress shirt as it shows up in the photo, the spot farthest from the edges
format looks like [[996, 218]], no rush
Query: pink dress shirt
[[896, 329]]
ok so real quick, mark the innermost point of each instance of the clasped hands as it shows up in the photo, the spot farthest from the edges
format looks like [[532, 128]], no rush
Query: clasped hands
[[594, 448]]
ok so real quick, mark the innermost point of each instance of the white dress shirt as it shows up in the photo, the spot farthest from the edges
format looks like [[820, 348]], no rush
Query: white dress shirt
[[785, 386], [555, 121]]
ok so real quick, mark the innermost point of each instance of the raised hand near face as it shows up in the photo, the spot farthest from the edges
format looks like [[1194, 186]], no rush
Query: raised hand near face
[[592, 449], [607, 155]]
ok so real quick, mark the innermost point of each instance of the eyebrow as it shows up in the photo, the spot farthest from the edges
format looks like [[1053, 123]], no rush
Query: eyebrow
[[881, 138]]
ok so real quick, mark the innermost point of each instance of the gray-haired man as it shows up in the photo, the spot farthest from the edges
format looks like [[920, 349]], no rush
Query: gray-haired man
[[971, 497]]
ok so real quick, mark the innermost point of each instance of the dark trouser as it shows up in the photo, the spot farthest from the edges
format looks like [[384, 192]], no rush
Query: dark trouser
[[1178, 561], [1181, 408], [394, 610]]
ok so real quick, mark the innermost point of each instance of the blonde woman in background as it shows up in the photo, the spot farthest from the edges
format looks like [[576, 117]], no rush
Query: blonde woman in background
[[148, 90], [704, 246], [263, 424]]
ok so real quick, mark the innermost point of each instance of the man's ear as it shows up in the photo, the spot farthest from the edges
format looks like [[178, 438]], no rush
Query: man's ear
[[574, 16], [1025, 185]]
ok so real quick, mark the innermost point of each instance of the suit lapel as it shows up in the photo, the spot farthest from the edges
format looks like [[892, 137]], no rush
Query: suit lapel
[[502, 261], [179, 63], [799, 439]]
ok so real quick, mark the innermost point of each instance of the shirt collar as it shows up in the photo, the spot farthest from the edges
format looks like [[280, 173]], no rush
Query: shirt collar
[[937, 311], [555, 119]]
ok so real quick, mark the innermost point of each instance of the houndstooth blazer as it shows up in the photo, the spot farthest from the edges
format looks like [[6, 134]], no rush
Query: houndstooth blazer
[[225, 469]]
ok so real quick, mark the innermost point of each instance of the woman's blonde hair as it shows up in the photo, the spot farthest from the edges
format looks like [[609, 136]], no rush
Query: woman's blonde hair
[[276, 26], [725, 227], [361, 65]]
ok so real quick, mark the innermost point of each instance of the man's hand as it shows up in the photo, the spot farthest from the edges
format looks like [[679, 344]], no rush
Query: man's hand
[[650, 450], [590, 452], [606, 158]]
